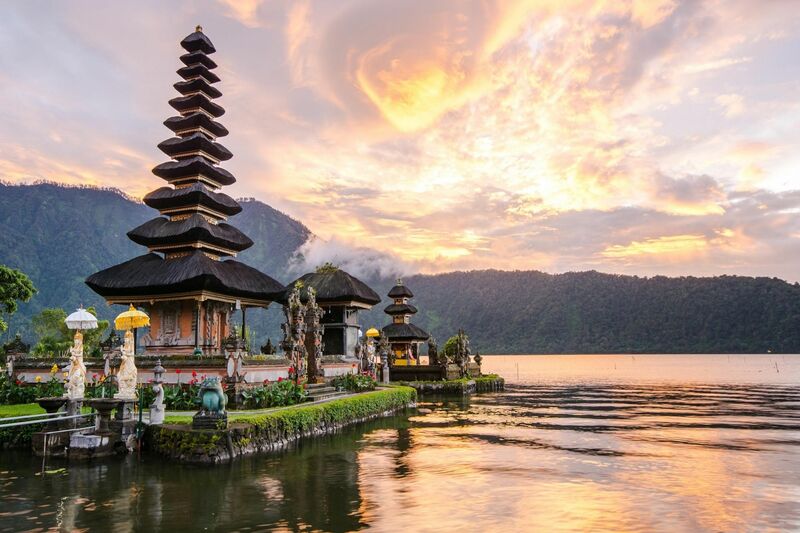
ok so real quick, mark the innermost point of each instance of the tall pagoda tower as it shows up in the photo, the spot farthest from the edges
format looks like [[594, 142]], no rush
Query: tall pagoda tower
[[403, 336], [188, 282]]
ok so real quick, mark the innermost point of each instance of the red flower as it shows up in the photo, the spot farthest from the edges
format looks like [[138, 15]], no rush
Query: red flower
[[291, 370], [177, 370], [94, 377], [280, 378], [19, 382], [194, 373]]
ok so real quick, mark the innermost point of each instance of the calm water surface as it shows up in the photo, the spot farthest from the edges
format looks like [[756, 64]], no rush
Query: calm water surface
[[576, 443]]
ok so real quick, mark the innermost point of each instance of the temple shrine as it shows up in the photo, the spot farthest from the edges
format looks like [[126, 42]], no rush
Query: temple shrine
[[341, 296], [403, 336], [188, 282]]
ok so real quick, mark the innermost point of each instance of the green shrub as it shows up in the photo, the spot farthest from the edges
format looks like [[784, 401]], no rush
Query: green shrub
[[275, 394], [16, 391], [354, 382]]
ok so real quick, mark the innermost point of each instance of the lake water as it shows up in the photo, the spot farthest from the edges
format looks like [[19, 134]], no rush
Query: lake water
[[576, 443]]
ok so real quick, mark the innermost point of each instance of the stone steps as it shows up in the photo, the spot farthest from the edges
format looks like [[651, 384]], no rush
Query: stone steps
[[322, 391]]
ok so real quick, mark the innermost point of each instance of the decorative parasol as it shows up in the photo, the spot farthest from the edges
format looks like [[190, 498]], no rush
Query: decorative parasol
[[81, 320], [131, 319], [372, 332]]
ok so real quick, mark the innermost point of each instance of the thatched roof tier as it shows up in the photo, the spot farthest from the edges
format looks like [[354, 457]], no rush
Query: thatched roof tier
[[400, 309], [192, 145], [334, 286], [151, 274], [400, 291], [162, 232], [183, 104], [197, 41], [194, 58], [196, 194], [188, 73], [197, 85], [191, 123], [187, 169], [404, 332]]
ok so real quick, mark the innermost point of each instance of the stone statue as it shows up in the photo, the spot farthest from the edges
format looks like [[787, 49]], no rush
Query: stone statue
[[462, 353], [211, 397], [127, 374], [10, 365], [433, 351], [384, 350], [76, 378], [478, 360], [157, 407]]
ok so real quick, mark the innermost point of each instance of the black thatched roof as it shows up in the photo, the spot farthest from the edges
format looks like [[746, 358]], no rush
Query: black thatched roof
[[196, 120], [196, 141], [188, 73], [151, 274], [184, 103], [400, 309], [172, 170], [197, 84], [197, 41], [194, 194], [161, 231], [400, 291], [405, 332], [335, 286], [198, 57]]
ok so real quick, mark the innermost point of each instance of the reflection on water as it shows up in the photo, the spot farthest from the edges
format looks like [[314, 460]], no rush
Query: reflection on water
[[574, 444]]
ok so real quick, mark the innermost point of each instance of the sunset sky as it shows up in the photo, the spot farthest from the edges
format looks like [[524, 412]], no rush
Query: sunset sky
[[644, 136]]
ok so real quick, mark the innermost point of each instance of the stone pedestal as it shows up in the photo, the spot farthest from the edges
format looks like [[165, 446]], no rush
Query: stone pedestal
[[204, 420], [156, 414]]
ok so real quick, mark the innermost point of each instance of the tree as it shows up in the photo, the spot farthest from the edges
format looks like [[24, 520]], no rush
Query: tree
[[92, 337], [451, 347], [14, 287], [53, 336]]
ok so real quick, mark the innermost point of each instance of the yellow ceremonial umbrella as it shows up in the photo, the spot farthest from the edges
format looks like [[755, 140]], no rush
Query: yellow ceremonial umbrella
[[372, 332], [131, 319]]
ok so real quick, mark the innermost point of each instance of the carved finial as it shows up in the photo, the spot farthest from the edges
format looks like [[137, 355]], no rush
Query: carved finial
[[399, 281], [198, 28]]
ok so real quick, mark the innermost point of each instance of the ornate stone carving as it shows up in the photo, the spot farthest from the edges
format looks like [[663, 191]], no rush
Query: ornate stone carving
[[294, 333], [433, 351], [314, 331]]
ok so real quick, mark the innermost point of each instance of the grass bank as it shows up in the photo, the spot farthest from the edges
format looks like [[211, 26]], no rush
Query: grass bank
[[462, 387], [253, 433]]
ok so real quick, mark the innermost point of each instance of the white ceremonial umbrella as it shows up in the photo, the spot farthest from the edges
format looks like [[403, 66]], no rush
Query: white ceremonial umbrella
[[81, 320]]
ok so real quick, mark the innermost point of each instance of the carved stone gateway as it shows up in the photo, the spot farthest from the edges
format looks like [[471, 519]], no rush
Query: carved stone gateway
[[294, 333], [314, 332]]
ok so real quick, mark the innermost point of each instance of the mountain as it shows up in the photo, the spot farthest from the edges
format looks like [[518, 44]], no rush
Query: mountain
[[59, 235]]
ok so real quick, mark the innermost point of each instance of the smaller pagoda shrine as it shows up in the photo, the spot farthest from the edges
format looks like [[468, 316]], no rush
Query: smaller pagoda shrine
[[403, 336], [340, 296]]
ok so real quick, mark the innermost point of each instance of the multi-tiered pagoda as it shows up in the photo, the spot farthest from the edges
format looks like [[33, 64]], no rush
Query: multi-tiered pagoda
[[403, 336], [187, 281]]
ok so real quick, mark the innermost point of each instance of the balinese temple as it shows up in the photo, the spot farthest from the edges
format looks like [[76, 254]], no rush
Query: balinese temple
[[341, 296], [403, 336], [188, 281]]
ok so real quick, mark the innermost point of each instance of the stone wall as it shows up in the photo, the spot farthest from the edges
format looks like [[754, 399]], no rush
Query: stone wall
[[272, 430]]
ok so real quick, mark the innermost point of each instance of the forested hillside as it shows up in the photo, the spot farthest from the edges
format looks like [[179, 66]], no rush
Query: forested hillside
[[59, 235], [590, 312]]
